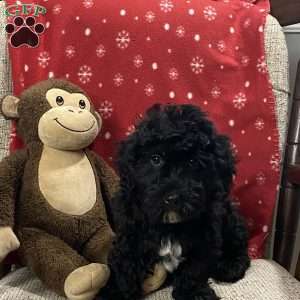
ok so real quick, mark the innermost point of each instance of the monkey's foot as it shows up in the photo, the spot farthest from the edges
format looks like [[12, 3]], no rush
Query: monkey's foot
[[155, 280], [85, 282]]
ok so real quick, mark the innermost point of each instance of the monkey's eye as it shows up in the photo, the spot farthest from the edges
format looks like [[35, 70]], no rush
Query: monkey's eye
[[82, 104], [59, 100], [156, 160]]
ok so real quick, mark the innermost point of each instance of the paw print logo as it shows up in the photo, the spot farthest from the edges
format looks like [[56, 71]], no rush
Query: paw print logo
[[24, 32]]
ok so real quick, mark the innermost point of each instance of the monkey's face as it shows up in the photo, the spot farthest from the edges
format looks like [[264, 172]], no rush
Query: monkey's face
[[69, 124]]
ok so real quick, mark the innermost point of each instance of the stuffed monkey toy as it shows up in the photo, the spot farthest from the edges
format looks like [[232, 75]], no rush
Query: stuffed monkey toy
[[55, 193]]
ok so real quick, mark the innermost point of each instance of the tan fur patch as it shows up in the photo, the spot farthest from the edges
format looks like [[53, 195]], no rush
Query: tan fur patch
[[67, 181]]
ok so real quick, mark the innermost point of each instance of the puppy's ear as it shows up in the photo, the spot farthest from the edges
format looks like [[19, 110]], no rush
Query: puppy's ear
[[153, 110], [225, 161]]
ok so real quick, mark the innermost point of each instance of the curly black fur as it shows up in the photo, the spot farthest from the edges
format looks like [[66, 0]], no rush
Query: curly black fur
[[176, 162]]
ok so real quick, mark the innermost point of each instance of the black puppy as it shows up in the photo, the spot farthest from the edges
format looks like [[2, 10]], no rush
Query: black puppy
[[173, 207]]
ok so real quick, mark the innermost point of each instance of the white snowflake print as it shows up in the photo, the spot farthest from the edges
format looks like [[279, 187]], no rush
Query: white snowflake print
[[88, 3], [210, 13], [197, 65], [173, 74], [57, 9], [239, 100], [247, 23], [100, 51], [149, 90], [138, 61], [180, 31], [253, 252], [166, 6], [106, 109], [275, 162], [259, 124], [216, 92], [130, 130], [70, 51], [43, 59], [150, 16], [85, 74], [221, 46], [260, 178], [262, 65], [247, 4], [118, 79], [245, 61], [123, 39], [234, 149]]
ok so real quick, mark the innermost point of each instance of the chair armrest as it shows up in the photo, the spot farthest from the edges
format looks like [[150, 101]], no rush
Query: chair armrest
[[293, 173], [287, 12]]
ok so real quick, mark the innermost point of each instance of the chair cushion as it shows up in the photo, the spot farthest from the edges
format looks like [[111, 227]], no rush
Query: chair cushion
[[265, 280]]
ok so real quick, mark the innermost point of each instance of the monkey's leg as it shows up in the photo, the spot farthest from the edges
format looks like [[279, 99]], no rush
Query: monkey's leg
[[60, 267]]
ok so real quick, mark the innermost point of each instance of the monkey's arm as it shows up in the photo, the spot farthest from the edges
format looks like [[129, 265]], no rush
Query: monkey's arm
[[109, 182], [11, 171], [108, 178]]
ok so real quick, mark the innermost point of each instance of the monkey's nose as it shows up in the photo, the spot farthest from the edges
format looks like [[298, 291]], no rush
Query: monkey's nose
[[70, 110]]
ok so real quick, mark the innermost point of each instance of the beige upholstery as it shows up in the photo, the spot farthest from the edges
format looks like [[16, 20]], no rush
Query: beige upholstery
[[264, 281]]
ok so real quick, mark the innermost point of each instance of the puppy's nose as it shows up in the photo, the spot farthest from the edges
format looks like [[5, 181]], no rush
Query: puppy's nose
[[172, 198]]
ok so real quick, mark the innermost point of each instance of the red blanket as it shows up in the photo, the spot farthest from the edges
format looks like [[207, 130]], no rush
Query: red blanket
[[130, 54]]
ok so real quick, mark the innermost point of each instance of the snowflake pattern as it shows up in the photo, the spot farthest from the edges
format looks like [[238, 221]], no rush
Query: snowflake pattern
[[166, 6], [106, 109], [118, 79], [149, 90], [70, 51], [123, 39], [173, 74], [259, 124], [85, 74], [88, 3], [43, 59], [275, 162], [197, 65], [247, 23], [234, 149], [130, 130], [180, 31], [150, 16], [216, 92], [245, 60], [100, 51], [138, 61], [253, 252], [210, 13], [57, 9], [221, 46], [262, 65], [260, 178], [239, 100]]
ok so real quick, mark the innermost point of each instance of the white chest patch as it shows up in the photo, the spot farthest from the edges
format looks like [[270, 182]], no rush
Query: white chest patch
[[67, 181], [171, 254]]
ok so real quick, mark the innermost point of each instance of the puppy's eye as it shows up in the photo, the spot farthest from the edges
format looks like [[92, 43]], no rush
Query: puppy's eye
[[156, 160], [60, 100], [191, 162], [82, 104]]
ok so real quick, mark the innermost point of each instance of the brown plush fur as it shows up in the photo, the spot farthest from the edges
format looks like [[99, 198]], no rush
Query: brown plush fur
[[53, 244]]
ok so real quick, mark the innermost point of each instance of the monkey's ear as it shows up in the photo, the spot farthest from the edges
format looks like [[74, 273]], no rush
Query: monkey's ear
[[9, 107]]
